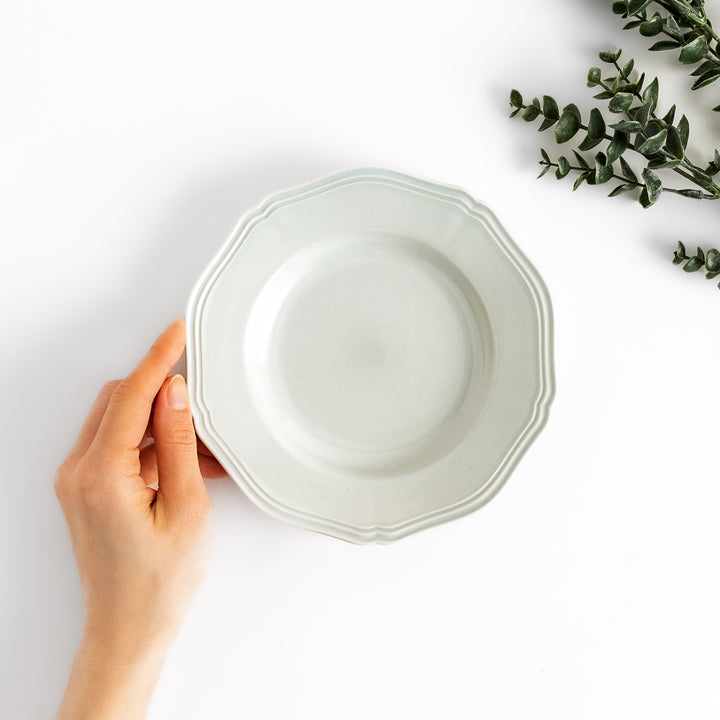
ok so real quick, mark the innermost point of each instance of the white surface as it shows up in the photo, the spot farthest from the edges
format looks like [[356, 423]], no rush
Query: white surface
[[369, 354], [132, 139]]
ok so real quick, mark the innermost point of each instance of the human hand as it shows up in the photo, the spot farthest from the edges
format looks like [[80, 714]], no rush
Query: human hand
[[141, 552]]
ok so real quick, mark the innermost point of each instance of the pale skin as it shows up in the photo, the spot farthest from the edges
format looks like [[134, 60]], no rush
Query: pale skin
[[141, 553]]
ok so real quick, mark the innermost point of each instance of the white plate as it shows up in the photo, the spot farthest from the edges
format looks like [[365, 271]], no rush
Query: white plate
[[369, 355]]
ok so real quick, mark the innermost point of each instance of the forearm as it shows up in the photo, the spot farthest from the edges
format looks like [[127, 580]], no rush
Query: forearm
[[112, 677]]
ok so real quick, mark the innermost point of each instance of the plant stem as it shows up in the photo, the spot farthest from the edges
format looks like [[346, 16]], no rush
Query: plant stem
[[626, 181], [698, 21]]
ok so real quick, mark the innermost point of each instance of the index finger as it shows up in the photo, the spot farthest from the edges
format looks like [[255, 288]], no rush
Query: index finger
[[126, 418]]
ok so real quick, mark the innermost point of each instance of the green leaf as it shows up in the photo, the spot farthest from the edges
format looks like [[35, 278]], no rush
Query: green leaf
[[596, 125], [654, 127], [693, 264], [530, 113], [716, 108], [603, 169], [651, 27], [653, 186], [550, 108], [664, 45], [703, 179], [516, 99], [609, 57], [543, 171], [696, 194], [589, 143], [605, 95], [620, 102], [637, 6], [703, 67], [642, 114], [619, 8], [650, 94], [673, 28], [563, 167], [627, 126], [713, 167], [674, 143], [617, 146], [625, 187], [701, 254], [581, 160], [627, 68], [670, 116], [660, 164], [694, 51], [682, 7], [706, 78], [627, 170], [653, 143], [712, 275], [712, 260], [545, 156], [594, 76], [568, 124], [684, 130], [679, 255], [579, 181], [627, 87]]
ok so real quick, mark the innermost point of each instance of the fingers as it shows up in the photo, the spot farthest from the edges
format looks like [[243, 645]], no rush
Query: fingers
[[203, 449], [128, 411], [181, 486], [92, 422], [210, 467], [149, 467]]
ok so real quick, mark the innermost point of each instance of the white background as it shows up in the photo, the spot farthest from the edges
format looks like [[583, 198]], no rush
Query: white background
[[133, 136]]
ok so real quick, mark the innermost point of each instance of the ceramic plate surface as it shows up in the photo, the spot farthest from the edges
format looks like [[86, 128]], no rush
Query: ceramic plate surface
[[369, 355]]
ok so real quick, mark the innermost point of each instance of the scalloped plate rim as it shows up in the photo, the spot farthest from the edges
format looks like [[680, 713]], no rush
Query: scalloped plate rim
[[534, 425]]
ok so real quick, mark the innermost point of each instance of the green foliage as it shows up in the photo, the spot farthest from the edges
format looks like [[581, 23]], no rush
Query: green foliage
[[568, 124], [657, 141], [628, 123], [684, 26], [709, 260]]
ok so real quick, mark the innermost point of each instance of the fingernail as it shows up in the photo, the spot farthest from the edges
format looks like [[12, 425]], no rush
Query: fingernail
[[178, 319], [177, 394]]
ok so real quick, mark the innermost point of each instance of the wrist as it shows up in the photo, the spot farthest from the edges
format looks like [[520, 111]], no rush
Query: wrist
[[113, 676], [131, 626], [122, 644]]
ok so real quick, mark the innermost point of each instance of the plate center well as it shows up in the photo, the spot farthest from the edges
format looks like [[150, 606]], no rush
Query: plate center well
[[363, 352]]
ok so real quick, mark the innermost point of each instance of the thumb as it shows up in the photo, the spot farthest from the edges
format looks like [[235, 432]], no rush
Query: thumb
[[180, 484]]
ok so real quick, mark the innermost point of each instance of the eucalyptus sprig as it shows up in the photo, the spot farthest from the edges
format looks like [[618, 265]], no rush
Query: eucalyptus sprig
[[709, 260], [685, 26], [632, 126], [659, 141]]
